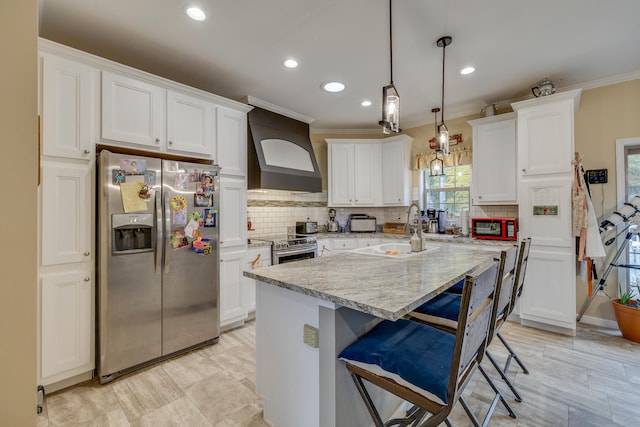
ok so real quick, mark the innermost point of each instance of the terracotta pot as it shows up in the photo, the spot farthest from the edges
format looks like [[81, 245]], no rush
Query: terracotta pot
[[628, 320]]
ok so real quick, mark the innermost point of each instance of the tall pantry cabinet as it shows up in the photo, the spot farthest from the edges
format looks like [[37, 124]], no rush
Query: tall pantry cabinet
[[545, 135]]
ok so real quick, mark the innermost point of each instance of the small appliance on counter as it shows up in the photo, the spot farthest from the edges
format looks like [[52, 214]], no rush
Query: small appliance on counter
[[332, 225], [494, 228], [306, 227], [362, 223]]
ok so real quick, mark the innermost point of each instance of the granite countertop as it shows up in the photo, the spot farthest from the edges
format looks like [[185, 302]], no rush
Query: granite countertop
[[435, 237], [385, 287]]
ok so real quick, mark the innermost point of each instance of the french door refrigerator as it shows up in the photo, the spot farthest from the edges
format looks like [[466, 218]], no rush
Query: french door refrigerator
[[158, 257]]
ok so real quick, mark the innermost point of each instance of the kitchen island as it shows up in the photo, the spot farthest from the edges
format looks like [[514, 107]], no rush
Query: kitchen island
[[308, 311]]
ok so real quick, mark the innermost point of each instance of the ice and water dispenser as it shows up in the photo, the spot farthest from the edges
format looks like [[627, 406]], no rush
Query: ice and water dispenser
[[131, 233]]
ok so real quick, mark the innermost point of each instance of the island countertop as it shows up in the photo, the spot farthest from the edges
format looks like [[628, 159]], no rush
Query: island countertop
[[385, 287]]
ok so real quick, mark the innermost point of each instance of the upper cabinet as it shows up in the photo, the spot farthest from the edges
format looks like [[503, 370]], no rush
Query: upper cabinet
[[545, 134], [132, 111], [369, 172], [231, 137], [69, 104], [494, 160], [190, 124], [396, 171]]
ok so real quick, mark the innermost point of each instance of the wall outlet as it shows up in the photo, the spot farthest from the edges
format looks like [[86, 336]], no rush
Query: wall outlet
[[311, 336]]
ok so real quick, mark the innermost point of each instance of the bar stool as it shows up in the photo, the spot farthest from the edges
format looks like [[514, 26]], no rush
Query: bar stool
[[521, 268], [422, 364], [442, 312]]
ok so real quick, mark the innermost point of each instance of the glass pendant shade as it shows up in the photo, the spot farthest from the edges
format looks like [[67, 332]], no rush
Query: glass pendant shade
[[390, 109], [436, 167], [443, 139]]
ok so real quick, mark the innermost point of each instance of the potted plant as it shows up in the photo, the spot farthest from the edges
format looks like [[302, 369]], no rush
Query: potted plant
[[627, 312]]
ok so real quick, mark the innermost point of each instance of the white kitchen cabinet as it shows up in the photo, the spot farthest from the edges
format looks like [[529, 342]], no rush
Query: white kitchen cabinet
[[133, 111], [254, 258], [66, 324], [366, 242], [494, 179], [233, 212], [232, 304], [396, 171], [545, 134], [231, 141], [190, 124], [341, 245], [545, 149], [354, 173], [69, 97], [66, 213], [324, 247]]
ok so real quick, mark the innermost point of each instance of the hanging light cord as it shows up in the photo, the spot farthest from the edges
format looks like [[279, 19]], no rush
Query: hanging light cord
[[444, 48], [390, 43]]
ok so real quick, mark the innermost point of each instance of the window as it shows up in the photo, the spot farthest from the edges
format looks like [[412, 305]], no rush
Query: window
[[449, 191], [632, 180]]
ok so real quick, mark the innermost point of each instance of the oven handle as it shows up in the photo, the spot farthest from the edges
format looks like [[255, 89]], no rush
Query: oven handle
[[285, 252]]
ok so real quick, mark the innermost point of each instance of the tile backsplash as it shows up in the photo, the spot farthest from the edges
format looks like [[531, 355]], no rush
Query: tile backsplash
[[272, 211]]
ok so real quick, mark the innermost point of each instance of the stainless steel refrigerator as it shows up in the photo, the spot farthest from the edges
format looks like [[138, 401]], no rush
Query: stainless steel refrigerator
[[158, 258]]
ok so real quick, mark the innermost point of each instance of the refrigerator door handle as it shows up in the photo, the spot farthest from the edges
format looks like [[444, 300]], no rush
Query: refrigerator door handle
[[159, 232], [167, 219]]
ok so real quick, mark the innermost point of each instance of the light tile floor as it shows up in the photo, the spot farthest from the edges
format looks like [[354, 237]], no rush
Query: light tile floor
[[592, 379]]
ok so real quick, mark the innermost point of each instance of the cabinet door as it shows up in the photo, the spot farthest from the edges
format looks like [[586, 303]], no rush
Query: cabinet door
[[549, 294], [231, 141], [232, 306], [396, 187], [66, 323], [189, 124], [233, 212], [132, 110], [255, 258], [341, 174], [545, 139], [68, 97], [367, 174], [66, 214], [494, 162]]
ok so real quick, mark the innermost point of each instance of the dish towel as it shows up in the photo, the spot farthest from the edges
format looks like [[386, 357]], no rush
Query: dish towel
[[585, 222]]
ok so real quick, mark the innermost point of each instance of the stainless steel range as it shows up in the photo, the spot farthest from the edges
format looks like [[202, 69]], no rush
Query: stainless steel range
[[295, 249]]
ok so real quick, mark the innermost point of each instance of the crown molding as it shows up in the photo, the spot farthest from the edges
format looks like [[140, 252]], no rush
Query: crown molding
[[256, 102]]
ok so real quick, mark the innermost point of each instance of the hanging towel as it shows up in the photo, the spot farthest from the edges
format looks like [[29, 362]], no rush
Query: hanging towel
[[585, 222]]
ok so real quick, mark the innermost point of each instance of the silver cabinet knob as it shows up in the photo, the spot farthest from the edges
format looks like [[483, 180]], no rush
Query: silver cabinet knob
[[86, 254], [524, 170], [86, 151], [479, 197], [170, 142], [157, 140], [87, 279]]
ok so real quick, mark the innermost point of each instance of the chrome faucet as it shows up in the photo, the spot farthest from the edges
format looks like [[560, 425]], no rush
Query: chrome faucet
[[419, 225]]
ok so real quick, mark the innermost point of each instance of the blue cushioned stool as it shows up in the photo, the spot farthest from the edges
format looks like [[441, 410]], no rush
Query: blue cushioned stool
[[422, 364], [442, 312]]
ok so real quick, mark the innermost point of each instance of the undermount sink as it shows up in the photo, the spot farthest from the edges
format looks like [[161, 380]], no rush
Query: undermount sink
[[393, 250]]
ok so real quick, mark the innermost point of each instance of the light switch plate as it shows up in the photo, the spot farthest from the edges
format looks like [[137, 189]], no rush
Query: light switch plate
[[311, 336]]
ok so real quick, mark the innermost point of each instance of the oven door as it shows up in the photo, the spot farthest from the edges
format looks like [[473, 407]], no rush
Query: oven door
[[282, 256]]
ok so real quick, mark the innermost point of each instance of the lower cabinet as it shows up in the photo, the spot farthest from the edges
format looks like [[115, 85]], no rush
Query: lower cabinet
[[66, 324], [232, 307], [259, 257]]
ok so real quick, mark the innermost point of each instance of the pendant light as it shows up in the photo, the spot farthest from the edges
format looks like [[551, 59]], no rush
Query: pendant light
[[436, 166], [443, 132], [390, 99]]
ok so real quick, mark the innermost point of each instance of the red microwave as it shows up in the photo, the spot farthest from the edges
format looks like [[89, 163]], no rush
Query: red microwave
[[494, 228]]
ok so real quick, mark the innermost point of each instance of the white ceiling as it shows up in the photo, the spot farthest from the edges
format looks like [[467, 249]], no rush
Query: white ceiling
[[239, 49]]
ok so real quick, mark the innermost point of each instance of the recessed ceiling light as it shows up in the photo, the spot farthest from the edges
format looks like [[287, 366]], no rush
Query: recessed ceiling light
[[333, 87], [366, 103], [196, 13], [467, 70], [290, 63]]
